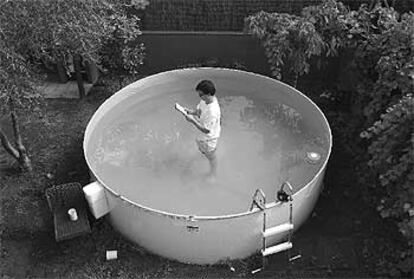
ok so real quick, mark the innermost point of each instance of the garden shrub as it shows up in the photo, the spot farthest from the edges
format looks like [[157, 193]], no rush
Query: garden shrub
[[376, 45], [98, 31]]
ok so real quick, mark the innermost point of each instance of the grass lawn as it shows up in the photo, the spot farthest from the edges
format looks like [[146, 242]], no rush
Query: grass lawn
[[339, 240]]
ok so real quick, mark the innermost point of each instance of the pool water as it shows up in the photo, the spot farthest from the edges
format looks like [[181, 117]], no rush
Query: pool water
[[148, 154]]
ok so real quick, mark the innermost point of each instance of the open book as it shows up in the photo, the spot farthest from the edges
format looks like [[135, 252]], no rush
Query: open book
[[180, 108]]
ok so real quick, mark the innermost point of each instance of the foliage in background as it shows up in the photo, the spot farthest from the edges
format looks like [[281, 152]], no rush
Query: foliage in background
[[77, 28], [213, 62], [17, 80], [121, 50], [139, 4], [392, 157], [384, 64], [222, 15], [375, 47], [287, 39], [388, 84]]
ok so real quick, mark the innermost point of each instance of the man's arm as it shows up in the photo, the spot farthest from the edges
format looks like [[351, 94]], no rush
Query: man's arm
[[195, 112], [197, 123]]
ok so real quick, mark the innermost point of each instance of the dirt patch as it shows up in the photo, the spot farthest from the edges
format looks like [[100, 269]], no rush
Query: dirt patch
[[16, 255]]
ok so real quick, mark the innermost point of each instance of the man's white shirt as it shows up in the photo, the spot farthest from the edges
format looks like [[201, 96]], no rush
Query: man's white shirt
[[210, 118]]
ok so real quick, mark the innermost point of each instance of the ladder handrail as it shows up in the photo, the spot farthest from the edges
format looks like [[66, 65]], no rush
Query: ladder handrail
[[256, 200]]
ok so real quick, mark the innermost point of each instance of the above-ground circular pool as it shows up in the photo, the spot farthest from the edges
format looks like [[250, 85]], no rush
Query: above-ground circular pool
[[143, 153]]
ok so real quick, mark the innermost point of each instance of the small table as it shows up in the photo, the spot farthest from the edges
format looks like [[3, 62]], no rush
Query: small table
[[61, 198]]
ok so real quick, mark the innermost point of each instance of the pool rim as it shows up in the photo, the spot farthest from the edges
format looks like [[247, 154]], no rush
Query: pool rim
[[89, 129]]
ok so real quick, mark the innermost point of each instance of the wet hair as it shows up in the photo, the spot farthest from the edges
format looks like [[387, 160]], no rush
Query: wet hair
[[207, 87]]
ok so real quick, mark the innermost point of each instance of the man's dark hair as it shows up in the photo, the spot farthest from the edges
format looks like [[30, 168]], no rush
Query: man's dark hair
[[207, 87]]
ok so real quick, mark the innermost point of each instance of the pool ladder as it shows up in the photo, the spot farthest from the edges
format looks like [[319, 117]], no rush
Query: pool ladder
[[259, 201]]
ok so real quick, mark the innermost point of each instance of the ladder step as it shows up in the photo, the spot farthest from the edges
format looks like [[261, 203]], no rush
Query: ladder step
[[277, 248], [278, 229]]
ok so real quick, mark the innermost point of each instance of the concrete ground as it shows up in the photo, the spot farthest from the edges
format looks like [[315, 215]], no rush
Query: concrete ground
[[68, 90]]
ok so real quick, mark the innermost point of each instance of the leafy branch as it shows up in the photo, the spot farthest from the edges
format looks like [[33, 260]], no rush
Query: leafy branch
[[375, 44]]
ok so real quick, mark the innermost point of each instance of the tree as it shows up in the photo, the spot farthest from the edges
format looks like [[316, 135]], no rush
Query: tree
[[52, 31], [290, 41], [17, 90], [60, 31], [376, 46]]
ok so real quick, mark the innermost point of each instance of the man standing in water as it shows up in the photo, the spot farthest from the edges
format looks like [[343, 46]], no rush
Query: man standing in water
[[206, 118]]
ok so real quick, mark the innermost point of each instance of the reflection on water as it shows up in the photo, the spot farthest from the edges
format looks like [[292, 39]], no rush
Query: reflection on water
[[152, 158]]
